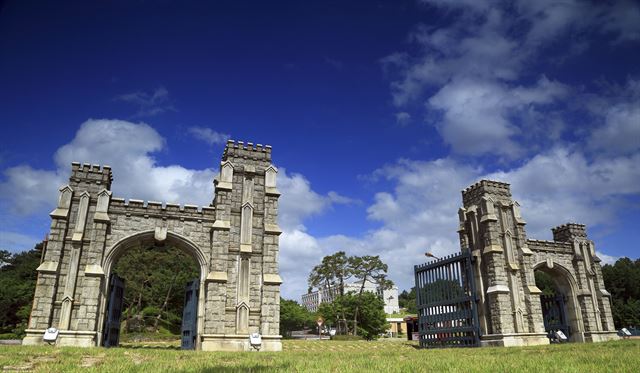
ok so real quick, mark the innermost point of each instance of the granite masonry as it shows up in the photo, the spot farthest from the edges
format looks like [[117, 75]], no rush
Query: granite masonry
[[509, 310], [234, 241]]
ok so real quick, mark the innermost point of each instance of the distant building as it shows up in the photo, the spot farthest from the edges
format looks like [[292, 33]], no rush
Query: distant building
[[311, 301]]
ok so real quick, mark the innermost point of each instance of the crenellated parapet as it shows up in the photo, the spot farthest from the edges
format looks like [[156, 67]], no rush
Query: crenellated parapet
[[154, 209], [496, 189], [92, 178], [247, 151], [569, 232], [553, 246]]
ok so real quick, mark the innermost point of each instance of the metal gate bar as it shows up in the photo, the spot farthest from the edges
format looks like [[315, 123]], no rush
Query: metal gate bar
[[446, 299]]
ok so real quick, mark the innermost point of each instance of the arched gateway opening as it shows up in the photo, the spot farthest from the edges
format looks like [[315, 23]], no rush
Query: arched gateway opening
[[558, 302], [124, 308]]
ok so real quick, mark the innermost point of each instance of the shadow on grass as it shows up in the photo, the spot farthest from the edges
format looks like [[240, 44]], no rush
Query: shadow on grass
[[150, 347], [285, 367]]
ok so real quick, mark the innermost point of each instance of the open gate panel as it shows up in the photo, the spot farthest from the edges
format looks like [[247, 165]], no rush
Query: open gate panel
[[447, 309]]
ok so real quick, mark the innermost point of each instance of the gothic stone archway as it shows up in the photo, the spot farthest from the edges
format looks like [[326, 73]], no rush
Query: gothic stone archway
[[510, 313], [157, 237], [234, 240]]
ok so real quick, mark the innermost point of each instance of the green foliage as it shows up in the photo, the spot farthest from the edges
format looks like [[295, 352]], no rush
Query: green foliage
[[293, 317], [336, 268], [332, 272], [622, 280], [545, 283], [155, 278], [18, 281], [371, 317], [407, 300]]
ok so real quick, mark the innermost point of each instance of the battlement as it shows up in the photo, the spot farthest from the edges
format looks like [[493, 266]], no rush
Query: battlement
[[567, 232], [544, 245], [90, 177], [154, 208], [240, 149], [473, 194]]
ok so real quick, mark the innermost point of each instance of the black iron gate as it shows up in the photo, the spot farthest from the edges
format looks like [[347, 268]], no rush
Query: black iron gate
[[447, 303], [114, 312], [190, 315], [554, 315]]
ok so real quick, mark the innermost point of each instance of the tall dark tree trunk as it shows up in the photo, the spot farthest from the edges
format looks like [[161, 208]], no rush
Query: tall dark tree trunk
[[355, 313]]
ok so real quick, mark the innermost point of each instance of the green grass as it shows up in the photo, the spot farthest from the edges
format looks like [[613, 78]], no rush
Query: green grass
[[332, 356]]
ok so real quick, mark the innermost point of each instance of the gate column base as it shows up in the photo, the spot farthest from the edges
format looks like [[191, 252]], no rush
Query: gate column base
[[74, 338], [601, 336], [221, 342], [519, 339]]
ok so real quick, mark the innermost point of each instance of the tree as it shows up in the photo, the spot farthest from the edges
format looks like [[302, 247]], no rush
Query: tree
[[371, 320], [154, 287], [407, 300], [368, 269], [332, 273], [622, 280], [18, 282], [293, 317]]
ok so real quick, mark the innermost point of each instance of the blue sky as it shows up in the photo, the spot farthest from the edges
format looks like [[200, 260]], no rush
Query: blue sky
[[379, 113]]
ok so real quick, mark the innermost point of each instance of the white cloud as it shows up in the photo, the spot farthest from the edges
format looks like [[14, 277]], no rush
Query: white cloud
[[118, 144], [471, 70], [208, 135], [403, 118], [607, 259], [17, 242], [477, 114], [623, 19], [148, 104], [300, 251], [620, 133], [27, 190]]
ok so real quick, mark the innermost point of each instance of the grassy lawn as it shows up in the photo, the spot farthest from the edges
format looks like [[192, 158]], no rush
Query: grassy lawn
[[331, 356]]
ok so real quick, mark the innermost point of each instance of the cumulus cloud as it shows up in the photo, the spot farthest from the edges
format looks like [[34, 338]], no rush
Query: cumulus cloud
[[16, 241], [403, 118], [299, 250], [148, 104], [620, 132], [208, 135], [474, 73], [116, 143], [477, 115]]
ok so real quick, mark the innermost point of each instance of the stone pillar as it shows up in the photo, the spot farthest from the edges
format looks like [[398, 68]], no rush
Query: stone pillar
[[243, 285], [595, 310], [67, 293], [496, 231]]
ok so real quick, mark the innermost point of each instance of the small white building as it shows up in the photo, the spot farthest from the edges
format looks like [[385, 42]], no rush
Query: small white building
[[311, 301]]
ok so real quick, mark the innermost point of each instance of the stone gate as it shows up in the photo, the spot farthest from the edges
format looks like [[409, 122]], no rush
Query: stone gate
[[509, 306], [234, 241]]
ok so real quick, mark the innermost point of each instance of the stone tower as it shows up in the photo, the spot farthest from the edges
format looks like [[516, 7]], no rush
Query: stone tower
[[234, 241], [509, 310]]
